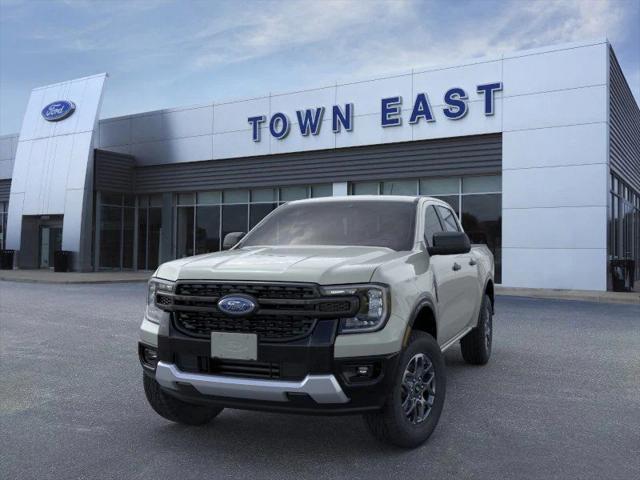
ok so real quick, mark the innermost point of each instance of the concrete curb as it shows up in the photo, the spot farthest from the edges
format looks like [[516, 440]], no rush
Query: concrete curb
[[630, 298]]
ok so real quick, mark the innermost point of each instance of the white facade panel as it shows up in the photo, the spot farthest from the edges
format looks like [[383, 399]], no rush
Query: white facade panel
[[324, 140], [475, 122], [366, 96], [289, 103], [6, 169], [235, 144], [435, 83], [561, 146], [8, 147], [555, 109], [189, 149], [114, 132], [189, 122], [559, 70], [77, 162], [573, 269], [232, 116], [367, 131], [147, 128], [576, 186], [561, 227], [72, 221]]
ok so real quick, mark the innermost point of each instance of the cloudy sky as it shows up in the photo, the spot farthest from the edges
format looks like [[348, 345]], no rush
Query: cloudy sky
[[161, 53]]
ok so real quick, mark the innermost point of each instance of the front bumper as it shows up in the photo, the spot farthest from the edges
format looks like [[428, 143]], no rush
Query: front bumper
[[304, 376]]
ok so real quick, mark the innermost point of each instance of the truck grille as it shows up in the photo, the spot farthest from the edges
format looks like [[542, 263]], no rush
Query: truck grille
[[285, 312], [268, 327]]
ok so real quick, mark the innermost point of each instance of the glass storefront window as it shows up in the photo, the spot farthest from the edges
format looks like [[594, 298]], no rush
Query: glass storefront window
[[488, 184], [3, 222], [288, 194], [439, 186], [365, 188], [110, 236], [482, 221], [322, 190], [263, 195], [207, 229], [235, 218], [400, 187], [209, 198], [186, 198], [184, 232], [128, 226], [236, 196]]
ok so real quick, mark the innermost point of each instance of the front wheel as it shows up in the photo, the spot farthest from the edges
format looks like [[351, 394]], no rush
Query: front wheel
[[413, 406]]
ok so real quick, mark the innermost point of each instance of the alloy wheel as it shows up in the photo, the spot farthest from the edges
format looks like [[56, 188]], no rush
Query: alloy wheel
[[418, 388]]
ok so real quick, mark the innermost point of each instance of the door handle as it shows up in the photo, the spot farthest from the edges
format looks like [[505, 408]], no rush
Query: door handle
[[456, 267], [472, 262]]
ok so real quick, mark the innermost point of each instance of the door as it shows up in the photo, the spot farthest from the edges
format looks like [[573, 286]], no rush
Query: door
[[465, 277], [45, 235], [50, 242]]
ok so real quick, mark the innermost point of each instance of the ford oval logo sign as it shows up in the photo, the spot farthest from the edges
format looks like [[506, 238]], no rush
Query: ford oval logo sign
[[56, 111], [236, 306]]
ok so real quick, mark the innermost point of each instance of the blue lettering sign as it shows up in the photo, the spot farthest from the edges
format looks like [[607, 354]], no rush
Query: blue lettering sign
[[311, 121], [255, 126], [456, 98], [339, 118], [421, 109], [390, 112], [279, 125], [487, 90]]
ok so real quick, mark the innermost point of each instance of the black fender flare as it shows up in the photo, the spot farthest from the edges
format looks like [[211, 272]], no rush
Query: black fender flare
[[424, 300]]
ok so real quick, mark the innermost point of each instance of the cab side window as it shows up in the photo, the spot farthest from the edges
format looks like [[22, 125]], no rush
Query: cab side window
[[431, 224], [449, 221]]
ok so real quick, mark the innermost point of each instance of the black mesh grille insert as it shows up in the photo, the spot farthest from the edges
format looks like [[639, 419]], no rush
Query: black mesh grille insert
[[268, 327], [296, 292]]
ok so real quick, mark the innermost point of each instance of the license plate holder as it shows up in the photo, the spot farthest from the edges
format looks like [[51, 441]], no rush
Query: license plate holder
[[234, 346]]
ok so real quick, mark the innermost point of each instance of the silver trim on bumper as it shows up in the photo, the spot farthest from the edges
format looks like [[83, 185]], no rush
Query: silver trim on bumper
[[322, 388]]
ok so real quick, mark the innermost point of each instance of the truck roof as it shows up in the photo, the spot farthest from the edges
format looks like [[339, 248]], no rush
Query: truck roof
[[361, 198]]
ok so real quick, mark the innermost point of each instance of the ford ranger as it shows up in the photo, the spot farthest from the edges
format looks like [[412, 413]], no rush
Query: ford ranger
[[339, 305]]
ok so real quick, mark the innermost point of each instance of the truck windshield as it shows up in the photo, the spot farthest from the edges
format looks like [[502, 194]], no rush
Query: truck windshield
[[366, 223]]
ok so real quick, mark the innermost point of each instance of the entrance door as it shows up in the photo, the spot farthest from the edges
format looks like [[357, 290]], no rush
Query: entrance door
[[50, 241]]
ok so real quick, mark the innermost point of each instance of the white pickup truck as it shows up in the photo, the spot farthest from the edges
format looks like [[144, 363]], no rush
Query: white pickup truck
[[339, 305]]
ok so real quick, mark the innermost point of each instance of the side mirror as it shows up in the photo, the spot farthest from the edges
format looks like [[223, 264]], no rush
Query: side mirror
[[231, 239], [449, 243]]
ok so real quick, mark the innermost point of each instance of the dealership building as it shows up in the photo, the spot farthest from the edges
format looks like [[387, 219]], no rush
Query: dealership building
[[537, 151]]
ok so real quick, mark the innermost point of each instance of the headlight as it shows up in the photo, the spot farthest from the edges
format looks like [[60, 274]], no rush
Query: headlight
[[374, 307], [156, 285]]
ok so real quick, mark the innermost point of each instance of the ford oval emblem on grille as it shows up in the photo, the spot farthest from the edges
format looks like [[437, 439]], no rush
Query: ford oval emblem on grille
[[236, 305]]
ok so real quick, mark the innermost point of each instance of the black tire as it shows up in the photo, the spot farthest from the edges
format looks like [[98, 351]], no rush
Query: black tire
[[476, 345], [392, 425], [176, 410]]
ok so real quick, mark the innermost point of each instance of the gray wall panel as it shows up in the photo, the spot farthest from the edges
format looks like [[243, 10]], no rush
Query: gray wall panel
[[5, 188], [113, 172], [480, 154], [624, 127]]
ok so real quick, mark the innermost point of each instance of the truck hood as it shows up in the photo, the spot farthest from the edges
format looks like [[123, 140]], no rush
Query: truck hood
[[318, 264]]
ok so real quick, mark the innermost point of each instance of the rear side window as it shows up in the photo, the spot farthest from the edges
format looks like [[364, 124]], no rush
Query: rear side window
[[449, 221], [431, 224]]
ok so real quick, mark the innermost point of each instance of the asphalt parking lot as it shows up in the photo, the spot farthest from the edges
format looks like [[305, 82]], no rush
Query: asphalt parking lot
[[559, 399]]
